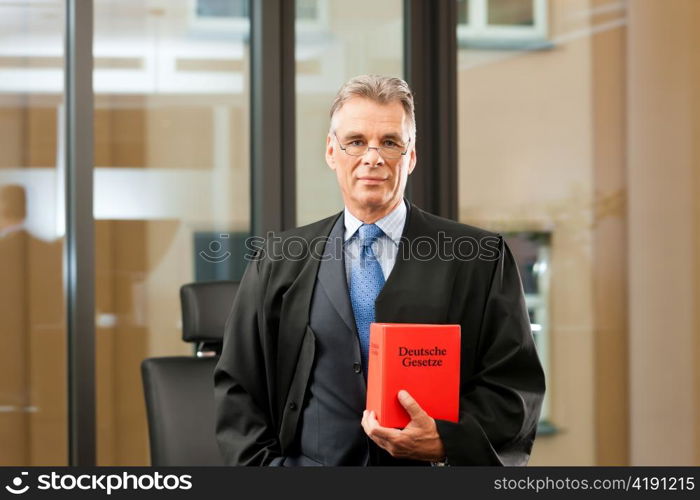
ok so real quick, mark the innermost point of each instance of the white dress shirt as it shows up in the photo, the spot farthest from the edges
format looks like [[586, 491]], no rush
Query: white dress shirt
[[385, 247]]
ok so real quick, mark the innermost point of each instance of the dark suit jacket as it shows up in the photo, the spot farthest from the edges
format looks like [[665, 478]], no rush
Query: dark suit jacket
[[445, 272]]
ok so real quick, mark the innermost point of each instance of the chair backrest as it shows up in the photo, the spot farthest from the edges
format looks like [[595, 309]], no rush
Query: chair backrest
[[179, 390], [205, 308], [180, 405]]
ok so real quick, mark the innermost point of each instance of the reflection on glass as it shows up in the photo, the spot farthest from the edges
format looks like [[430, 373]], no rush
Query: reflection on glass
[[335, 40], [33, 389], [511, 12], [171, 187]]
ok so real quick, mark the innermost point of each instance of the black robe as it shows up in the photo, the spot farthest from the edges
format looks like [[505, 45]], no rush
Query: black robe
[[445, 272]]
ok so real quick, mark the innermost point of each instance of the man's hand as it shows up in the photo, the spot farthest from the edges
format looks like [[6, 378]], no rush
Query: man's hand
[[419, 440]]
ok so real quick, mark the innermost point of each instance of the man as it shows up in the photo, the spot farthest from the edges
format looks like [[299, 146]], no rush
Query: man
[[291, 381]]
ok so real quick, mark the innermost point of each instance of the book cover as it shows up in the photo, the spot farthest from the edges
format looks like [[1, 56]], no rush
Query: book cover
[[422, 359]]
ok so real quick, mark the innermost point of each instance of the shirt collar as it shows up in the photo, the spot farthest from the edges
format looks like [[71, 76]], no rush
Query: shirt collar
[[391, 224]]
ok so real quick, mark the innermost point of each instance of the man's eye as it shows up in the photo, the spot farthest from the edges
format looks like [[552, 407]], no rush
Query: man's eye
[[356, 142], [390, 144]]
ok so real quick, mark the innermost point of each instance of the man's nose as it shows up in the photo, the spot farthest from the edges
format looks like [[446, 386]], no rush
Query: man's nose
[[373, 156]]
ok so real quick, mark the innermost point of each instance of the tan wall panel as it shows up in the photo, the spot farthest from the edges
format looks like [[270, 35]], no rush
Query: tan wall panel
[[12, 137], [104, 345], [28, 135], [14, 438], [128, 138], [158, 136], [170, 261], [102, 123], [525, 145], [662, 43], [178, 137], [129, 265], [610, 244], [49, 395], [47, 354], [42, 133], [13, 354]]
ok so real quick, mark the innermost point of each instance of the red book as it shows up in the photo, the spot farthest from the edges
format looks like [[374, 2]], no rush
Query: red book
[[422, 359]]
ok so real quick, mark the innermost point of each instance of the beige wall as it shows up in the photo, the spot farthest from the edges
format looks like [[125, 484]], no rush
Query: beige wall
[[597, 141], [527, 162], [663, 229], [609, 236]]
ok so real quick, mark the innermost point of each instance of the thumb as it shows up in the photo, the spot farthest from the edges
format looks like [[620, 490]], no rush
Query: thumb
[[410, 405]]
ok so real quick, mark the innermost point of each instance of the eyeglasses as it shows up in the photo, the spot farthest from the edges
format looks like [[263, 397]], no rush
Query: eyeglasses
[[392, 150]]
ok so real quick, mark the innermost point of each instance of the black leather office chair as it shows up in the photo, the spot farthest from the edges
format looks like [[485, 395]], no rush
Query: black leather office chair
[[179, 390]]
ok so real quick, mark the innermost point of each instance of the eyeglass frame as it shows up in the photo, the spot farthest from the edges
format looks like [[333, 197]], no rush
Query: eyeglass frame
[[377, 148]]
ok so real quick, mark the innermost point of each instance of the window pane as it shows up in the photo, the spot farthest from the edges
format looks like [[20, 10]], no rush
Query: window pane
[[222, 8], [541, 161], [463, 11], [353, 38], [171, 189], [307, 9], [511, 12], [33, 369]]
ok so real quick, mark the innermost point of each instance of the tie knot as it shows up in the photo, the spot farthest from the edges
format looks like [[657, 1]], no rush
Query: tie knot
[[369, 233]]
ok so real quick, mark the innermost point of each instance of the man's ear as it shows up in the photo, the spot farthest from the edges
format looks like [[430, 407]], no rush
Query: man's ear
[[412, 160], [330, 149]]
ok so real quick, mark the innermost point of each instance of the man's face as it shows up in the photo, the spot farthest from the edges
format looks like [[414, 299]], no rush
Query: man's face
[[370, 182]]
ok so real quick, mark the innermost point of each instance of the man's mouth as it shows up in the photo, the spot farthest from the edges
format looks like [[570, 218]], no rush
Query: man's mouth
[[372, 180]]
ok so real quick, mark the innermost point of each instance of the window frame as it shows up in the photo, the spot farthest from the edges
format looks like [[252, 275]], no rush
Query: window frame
[[478, 29], [240, 24]]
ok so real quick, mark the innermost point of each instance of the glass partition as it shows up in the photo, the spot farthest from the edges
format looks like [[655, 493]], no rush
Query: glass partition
[[33, 381], [335, 40], [540, 138], [171, 187]]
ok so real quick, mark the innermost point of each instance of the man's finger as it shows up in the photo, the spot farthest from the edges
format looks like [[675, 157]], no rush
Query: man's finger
[[411, 405], [368, 421], [385, 433], [373, 429], [365, 421]]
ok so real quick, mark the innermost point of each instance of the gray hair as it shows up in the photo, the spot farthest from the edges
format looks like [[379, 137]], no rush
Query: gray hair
[[380, 89]]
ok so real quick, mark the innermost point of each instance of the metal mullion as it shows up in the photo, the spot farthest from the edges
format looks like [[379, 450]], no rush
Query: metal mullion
[[430, 58], [79, 251], [273, 158]]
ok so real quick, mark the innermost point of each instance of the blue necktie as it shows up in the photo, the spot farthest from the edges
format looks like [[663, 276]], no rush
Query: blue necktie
[[366, 281]]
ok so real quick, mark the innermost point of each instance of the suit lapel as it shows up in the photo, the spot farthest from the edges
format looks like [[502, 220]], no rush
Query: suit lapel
[[331, 275], [294, 317]]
